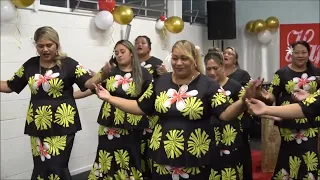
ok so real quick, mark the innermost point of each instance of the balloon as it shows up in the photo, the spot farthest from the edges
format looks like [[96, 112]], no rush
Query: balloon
[[7, 11], [265, 37], [249, 27], [259, 25], [106, 5], [104, 20], [23, 3], [174, 24], [123, 15], [272, 22], [159, 25]]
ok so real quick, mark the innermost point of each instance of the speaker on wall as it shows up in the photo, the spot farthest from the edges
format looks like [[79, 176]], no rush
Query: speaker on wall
[[221, 20]]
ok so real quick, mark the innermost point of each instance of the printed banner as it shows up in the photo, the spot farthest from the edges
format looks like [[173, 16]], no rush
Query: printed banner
[[290, 33]]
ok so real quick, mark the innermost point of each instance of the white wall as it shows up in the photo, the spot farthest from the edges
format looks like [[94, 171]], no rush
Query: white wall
[[83, 42], [249, 49]]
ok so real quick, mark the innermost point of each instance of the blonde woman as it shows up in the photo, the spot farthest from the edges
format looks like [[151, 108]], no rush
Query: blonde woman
[[185, 100], [52, 118]]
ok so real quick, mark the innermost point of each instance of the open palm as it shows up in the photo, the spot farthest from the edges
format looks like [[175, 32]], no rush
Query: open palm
[[256, 107], [101, 92], [300, 94]]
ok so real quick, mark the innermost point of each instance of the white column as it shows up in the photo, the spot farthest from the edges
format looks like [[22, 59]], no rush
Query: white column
[[174, 9]]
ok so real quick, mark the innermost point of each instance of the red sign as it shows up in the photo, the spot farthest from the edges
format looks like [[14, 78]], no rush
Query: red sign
[[290, 33]]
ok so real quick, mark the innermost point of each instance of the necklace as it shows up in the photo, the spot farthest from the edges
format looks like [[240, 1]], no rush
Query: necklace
[[188, 82], [44, 68]]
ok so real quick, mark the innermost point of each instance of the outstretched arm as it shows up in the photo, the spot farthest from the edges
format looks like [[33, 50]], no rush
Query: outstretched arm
[[79, 94], [126, 105], [290, 111], [5, 88], [233, 111], [141, 106]]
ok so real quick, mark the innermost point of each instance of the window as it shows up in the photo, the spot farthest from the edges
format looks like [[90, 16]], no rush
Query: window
[[194, 11], [144, 8]]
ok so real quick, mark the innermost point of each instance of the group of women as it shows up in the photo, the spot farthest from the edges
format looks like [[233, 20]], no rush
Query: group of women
[[155, 124]]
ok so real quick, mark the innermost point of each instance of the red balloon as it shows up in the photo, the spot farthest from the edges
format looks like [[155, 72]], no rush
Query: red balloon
[[162, 18], [106, 5]]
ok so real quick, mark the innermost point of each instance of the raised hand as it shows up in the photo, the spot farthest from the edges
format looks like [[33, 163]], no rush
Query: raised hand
[[92, 73], [253, 90], [161, 69], [101, 92], [300, 95], [256, 107], [106, 70]]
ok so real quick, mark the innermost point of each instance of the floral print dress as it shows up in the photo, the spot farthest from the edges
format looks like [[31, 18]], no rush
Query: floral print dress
[[120, 133], [52, 117], [298, 155], [151, 65], [229, 136], [181, 144]]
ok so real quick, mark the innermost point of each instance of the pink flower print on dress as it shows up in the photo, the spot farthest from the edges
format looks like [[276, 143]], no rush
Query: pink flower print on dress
[[111, 132], [224, 92], [42, 149], [177, 173], [145, 65], [286, 175], [299, 136], [147, 130], [178, 97], [303, 81], [224, 151], [311, 176], [97, 168], [43, 80], [124, 81]]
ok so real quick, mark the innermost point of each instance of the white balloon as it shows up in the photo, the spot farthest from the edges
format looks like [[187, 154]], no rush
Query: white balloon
[[265, 37], [160, 25], [7, 11], [104, 20]]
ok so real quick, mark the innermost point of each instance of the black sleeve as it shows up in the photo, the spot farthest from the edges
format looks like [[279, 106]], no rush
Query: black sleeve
[[219, 102], [245, 78], [19, 80], [310, 107], [80, 74], [275, 87], [146, 99]]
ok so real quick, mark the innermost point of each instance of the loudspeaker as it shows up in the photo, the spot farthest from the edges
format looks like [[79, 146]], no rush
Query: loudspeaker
[[221, 19]]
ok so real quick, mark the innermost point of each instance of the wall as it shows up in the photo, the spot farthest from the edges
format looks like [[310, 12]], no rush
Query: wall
[[83, 42], [250, 50]]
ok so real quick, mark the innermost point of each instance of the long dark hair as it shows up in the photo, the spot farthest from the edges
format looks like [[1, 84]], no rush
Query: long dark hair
[[136, 66]]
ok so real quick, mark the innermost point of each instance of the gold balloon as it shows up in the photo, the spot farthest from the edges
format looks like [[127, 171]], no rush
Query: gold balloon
[[272, 22], [22, 3], [259, 26], [123, 15], [174, 24], [249, 27]]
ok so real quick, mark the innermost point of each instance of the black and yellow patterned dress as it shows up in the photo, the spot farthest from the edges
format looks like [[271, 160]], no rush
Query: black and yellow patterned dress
[[181, 144], [298, 155], [229, 137], [151, 65], [52, 118], [120, 133]]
